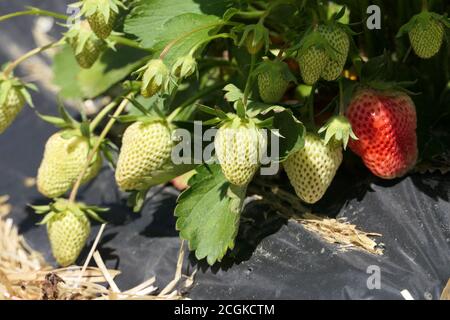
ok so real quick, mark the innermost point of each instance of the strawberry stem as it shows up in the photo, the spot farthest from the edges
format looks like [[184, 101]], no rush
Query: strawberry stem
[[310, 104], [248, 85], [10, 68], [93, 151], [34, 12], [169, 46], [101, 115], [341, 97], [424, 5], [127, 42]]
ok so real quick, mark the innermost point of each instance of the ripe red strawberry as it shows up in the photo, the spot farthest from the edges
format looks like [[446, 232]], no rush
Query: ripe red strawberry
[[385, 123]]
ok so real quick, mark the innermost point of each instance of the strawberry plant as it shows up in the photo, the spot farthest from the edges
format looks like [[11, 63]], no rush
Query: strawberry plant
[[238, 91]]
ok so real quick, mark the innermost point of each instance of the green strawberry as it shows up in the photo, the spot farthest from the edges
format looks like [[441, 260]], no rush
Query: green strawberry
[[101, 25], [426, 32], [13, 95], [339, 40], [426, 38], [239, 146], [273, 80], [146, 149], [68, 228], [155, 78], [63, 160], [312, 169], [312, 63], [101, 14], [86, 45], [10, 108], [312, 56], [68, 233]]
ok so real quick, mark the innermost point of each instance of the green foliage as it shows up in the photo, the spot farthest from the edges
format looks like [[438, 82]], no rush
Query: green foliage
[[148, 20], [209, 55], [112, 67], [209, 212]]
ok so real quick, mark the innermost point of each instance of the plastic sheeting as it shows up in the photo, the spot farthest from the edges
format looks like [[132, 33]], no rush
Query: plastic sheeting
[[274, 259]]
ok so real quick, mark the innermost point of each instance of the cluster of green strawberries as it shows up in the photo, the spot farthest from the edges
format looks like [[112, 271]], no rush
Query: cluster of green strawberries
[[379, 125]]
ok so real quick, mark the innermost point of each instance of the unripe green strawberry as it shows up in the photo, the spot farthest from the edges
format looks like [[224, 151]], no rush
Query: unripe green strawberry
[[312, 63], [426, 38], [68, 227], [239, 147], [86, 45], [339, 40], [312, 169], [10, 107], [63, 160], [101, 14], [155, 78], [90, 53], [271, 90], [273, 80], [102, 27], [146, 149], [68, 231]]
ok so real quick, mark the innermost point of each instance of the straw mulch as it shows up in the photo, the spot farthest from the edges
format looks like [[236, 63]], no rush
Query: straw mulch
[[341, 232], [24, 274]]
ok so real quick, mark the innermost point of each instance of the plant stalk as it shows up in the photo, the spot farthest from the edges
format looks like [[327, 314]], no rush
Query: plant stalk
[[10, 68], [34, 12], [248, 85], [94, 150], [341, 97]]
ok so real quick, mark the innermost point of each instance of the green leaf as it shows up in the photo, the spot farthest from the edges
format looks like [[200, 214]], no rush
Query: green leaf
[[147, 21], [111, 68], [233, 93], [292, 133], [208, 213], [183, 32], [66, 69]]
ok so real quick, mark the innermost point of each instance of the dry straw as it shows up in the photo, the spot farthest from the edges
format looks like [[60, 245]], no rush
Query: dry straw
[[25, 275]]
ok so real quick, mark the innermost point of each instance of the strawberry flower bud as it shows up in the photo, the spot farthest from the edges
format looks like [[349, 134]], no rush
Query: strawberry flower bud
[[184, 67], [155, 78]]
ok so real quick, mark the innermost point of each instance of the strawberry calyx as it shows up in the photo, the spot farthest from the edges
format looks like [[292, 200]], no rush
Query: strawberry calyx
[[62, 206], [421, 21], [276, 69], [338, 129], [184, 67], [102, 7], [79, 34], [155, 77], [8, 83]]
